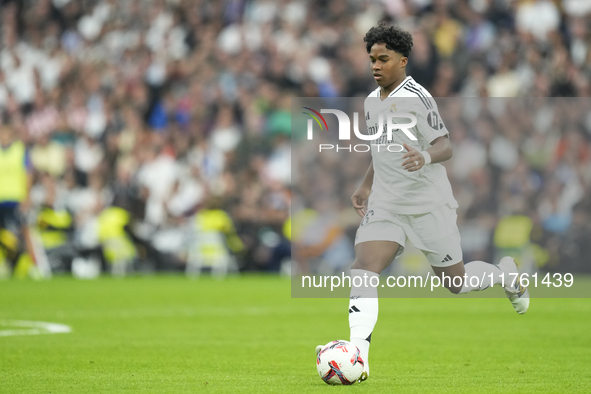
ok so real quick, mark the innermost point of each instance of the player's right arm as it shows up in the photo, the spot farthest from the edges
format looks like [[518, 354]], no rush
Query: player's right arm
[[359, 198]]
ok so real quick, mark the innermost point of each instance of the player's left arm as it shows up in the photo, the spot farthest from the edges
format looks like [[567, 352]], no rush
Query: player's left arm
[[432, 129], [440, 150]]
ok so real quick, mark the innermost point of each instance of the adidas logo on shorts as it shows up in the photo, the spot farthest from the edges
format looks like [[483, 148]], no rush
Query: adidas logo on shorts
[[447, 258]]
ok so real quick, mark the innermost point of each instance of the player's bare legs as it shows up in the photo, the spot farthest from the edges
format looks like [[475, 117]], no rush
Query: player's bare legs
[[453, 271], [478, 275], [374, 256], [371, 258]]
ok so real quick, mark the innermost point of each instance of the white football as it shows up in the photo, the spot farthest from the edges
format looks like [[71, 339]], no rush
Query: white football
[[338, 362]]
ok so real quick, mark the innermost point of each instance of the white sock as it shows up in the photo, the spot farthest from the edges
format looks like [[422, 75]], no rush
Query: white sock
[[363, 311], [480, 270]]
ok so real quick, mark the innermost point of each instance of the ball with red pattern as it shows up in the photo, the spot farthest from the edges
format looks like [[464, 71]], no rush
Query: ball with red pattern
[[338, 362]]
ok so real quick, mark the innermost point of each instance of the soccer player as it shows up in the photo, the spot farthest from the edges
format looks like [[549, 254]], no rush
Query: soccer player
[[15, 184], [409, 195]]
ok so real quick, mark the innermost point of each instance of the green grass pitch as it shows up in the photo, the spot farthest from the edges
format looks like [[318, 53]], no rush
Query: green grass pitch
[[170, 334]]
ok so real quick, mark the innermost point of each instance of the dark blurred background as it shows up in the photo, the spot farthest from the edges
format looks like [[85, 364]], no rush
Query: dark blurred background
[[158, 131]]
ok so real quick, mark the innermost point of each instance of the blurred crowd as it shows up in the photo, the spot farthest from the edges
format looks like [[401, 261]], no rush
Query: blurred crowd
[[168, 108]]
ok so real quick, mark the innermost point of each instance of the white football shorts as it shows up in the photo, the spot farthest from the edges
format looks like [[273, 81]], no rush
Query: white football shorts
[[435, 233]]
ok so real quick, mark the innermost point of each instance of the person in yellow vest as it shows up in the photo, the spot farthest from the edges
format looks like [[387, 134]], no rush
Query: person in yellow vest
[[15, 184], [215, 243], [54, 228], [119, 249]]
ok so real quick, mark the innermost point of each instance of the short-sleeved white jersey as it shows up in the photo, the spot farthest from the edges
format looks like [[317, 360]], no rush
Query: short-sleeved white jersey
[[395, 189]]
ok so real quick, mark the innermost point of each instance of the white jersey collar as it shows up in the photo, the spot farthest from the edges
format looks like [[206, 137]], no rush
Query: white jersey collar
[[401, 85], [397, 89]]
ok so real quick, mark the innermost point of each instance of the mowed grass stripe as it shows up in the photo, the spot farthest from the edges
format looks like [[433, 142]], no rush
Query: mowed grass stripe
[[169, 334]]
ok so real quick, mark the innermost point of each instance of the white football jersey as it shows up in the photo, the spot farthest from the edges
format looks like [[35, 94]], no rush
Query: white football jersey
[[395, 189]]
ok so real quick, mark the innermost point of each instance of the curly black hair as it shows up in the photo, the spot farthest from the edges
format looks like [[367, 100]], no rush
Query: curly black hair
[[395, 38]]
